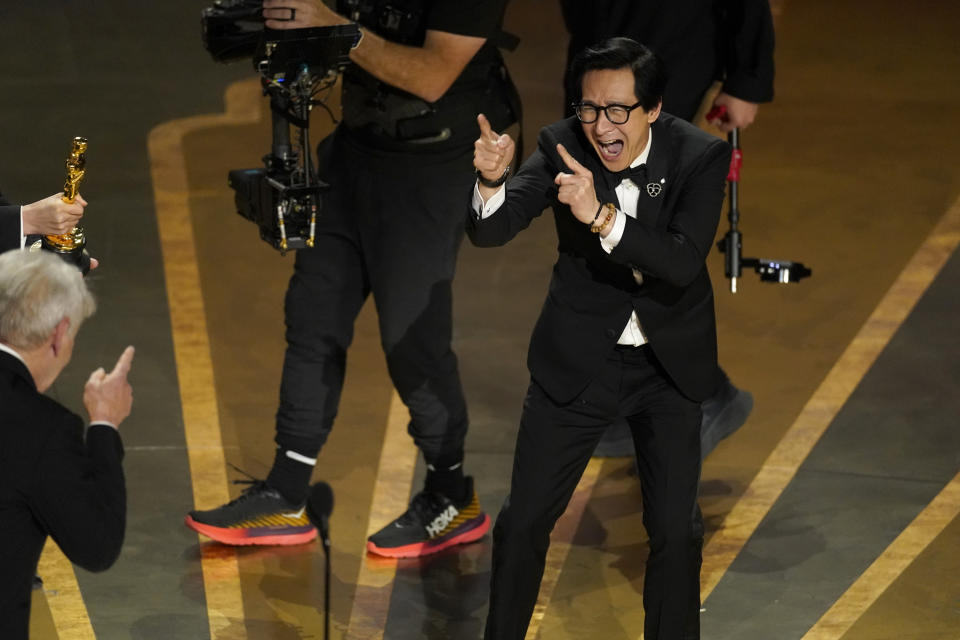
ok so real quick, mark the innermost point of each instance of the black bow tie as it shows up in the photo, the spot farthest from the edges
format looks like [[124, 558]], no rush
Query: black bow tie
[[638, 174]]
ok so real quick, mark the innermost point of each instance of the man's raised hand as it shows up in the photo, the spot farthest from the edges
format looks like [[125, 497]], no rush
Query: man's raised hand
[[735, 114], [492, 152], [108, 397], [576, 188]]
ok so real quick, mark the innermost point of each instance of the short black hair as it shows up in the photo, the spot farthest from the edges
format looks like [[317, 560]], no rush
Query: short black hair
[[649, 73]]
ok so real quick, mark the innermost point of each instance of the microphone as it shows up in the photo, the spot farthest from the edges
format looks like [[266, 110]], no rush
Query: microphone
[[319, 508]]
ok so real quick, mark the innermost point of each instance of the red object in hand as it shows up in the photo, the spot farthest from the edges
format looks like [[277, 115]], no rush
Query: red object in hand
[[736, 158], [716, 112]]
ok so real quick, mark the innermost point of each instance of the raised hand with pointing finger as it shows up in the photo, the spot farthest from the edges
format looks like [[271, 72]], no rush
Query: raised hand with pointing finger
[[576, 189], [108, 397], [492, 154]]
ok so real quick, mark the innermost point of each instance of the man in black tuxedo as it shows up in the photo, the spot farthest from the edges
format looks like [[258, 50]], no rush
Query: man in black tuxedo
[[50, 216], [700, 42], [627, 329], [55, 479]]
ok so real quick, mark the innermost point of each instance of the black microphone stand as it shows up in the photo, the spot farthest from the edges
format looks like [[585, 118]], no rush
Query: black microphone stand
[[319, 507], [325, 541]]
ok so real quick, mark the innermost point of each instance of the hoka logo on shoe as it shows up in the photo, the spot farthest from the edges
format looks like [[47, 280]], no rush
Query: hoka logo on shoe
[[441, 521]]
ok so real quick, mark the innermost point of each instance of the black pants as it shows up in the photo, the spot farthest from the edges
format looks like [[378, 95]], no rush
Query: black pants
[[554, 445], [391, 225]]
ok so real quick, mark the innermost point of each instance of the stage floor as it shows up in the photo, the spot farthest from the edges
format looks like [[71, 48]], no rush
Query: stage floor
[[832, 514]]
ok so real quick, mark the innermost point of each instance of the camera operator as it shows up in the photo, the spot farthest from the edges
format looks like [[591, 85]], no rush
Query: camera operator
[[398, 167]]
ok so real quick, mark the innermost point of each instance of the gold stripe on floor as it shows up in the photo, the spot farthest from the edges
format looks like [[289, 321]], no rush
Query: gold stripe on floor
[[201, 420], [560, 542], [889, 565], [782, 464], [63, 595], [398, 458]]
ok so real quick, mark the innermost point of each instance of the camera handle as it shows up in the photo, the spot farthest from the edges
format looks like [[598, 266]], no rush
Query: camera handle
[[282, 161]]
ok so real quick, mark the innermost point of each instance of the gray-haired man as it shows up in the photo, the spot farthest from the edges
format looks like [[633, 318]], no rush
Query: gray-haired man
[[55, 479]]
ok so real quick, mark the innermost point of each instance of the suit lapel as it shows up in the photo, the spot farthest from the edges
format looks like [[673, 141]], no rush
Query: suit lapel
[[655, 191]]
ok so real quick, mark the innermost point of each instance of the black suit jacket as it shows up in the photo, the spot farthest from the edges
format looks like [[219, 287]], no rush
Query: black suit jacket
[[699, 41], [9, 225], [592, 293], [54, 483]]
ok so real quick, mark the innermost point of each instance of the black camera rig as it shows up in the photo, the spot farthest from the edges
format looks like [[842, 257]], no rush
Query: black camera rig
[[296, 66]]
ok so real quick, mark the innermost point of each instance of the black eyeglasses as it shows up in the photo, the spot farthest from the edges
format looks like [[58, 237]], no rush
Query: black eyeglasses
[[616, 113]]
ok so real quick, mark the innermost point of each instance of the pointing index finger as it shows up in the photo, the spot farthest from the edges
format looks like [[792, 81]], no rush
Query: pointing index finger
[[570, 161], [123, 363], [485, 130]]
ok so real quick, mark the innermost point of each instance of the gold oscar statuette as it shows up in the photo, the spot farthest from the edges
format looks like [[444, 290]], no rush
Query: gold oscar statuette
[[71, 245]]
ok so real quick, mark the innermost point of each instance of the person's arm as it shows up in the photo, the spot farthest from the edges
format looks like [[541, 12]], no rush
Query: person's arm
[[9, 225], [678, 253], [427, 72], [524, 196], [736, 113], [81, 494], [747, 33], [748, 69], [52, 216], [492, 154], [108, 397]]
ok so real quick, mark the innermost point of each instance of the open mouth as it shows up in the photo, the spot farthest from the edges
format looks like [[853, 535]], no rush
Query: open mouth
[[610, 150]]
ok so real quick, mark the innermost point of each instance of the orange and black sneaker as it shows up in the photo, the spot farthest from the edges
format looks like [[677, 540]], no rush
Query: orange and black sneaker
[[432, 523], [260, 515]]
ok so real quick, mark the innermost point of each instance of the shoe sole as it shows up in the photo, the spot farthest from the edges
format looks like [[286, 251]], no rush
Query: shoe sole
[[246, 537], [429, 547]]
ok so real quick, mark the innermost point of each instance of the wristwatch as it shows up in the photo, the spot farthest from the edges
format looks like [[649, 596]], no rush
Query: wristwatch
[[493, 184]]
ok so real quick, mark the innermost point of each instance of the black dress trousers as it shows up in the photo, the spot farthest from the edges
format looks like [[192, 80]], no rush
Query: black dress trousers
[[554, 445]]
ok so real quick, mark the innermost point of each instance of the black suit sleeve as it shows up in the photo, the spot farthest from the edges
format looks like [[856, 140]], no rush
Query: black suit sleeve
[[81, 496], [9, 225], [677, 254], [746, 33]]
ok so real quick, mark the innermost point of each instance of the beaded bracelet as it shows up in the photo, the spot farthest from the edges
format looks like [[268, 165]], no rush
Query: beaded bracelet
[[596, 217], [611, 211]]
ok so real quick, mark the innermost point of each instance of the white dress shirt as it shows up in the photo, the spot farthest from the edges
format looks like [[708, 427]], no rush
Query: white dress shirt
[[23, 238]]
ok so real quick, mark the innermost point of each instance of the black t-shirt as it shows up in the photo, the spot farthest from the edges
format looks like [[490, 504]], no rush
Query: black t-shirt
[[475, 89]]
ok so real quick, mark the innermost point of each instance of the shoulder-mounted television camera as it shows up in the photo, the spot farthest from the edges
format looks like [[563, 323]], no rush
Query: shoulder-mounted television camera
[[295, 65]]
